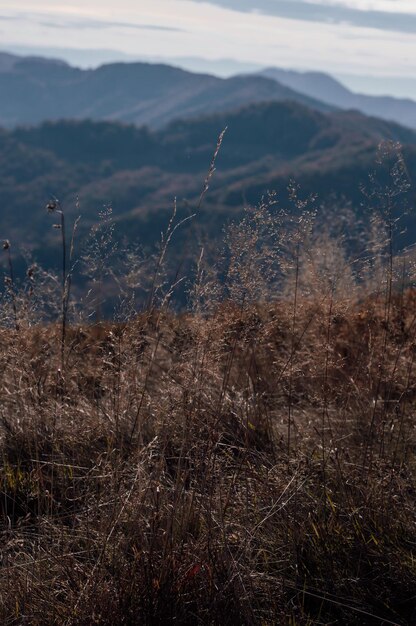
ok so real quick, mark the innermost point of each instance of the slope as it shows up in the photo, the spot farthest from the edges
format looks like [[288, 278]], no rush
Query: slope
[[139, 172], [35, 90], [325, 88]]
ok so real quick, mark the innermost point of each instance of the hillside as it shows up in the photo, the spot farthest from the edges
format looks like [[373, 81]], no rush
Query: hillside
[[139, 172], [35, 90], [327, 89]]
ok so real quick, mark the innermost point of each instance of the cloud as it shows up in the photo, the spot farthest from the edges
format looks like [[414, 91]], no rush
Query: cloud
[[324, 13], [69, 23], [395, 6], [101, 24], [218, 28]]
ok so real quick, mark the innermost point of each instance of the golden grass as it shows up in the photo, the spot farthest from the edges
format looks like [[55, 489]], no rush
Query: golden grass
[[152, 483]]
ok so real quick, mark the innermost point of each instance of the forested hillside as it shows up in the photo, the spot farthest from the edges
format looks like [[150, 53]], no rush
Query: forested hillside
[[90, 165], [34, 90]]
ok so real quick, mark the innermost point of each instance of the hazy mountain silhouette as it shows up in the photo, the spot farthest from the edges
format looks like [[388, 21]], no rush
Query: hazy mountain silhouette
[[327, 89], [35, 90]]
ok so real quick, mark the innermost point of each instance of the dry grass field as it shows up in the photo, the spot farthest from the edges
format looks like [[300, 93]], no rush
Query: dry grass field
[[250, 460]]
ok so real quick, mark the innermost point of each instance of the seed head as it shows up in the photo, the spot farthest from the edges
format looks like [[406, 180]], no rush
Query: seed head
[[52, 206]]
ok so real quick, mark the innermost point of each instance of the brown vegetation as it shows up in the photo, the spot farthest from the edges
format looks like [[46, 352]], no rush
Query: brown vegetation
[[251, 461]]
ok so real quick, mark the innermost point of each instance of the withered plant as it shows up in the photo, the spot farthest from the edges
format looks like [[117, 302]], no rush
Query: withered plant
[[247, 460]]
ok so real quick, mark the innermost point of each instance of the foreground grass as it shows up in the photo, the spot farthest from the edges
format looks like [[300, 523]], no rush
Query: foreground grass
[[247, 466]]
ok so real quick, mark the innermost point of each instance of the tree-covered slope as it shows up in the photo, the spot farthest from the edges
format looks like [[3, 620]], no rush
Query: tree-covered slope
[[89, 165]]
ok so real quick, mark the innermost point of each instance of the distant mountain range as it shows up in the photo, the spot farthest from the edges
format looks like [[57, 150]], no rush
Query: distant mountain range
[[34, 90], [325, 88], [135, 136], [94, 57]]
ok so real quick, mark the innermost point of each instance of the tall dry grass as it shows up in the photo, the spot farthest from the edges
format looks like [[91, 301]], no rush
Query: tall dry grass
[[250, 460]]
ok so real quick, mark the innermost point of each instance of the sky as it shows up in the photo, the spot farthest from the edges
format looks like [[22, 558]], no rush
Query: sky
[[371, 42]]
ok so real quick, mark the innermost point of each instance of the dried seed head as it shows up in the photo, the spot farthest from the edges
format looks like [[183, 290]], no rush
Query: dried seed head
[[52, 206]]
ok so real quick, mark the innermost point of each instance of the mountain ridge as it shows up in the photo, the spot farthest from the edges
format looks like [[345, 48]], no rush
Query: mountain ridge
[[34, 91], [139, 172], [328, 89]]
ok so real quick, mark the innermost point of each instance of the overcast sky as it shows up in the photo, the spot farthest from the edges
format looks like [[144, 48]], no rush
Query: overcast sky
[[362, 37]]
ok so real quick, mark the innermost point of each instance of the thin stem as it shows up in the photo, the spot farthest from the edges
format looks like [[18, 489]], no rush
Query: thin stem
[[11, 282], [292, 350], [64, 292]]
